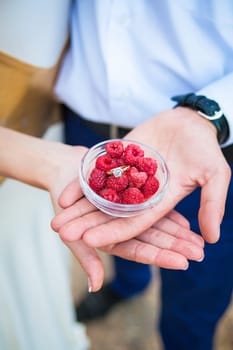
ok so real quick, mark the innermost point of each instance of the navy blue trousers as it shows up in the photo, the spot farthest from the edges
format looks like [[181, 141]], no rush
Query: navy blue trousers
[[192, 301]]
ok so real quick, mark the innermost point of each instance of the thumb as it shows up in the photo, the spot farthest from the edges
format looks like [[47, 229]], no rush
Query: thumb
[[212, 206], [71, 193]]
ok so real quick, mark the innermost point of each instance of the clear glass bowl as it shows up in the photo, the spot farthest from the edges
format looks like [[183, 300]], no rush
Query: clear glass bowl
[[118, 209]]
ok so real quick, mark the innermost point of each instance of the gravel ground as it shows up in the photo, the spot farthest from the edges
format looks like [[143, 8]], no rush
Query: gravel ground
[[132, 325]]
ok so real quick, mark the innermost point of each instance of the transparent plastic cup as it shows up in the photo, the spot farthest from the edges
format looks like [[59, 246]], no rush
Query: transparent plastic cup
[[118, 209]]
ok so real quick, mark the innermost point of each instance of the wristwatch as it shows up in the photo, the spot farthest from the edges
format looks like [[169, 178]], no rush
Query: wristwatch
[[208, 109]]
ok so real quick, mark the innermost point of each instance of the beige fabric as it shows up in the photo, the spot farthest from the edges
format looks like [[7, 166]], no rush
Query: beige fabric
[[26, 98], [27, 103]]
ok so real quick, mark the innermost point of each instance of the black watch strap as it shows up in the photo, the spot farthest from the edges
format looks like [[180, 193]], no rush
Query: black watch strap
[[208, 109]]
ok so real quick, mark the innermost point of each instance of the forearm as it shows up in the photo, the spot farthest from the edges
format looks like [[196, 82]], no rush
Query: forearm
[[27, 159]]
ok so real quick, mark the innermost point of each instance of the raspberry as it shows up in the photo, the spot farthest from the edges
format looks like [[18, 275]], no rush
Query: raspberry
[[97, 179], [132, 153], [117, 183], [136, 178], [151, 186], [147, 164], [115, 149], [124, 175], [110, 195], [120, 161], [132, 195], [105, 162]]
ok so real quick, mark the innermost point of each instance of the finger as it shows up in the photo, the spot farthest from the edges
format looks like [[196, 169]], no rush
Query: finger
[[160, 239], [74, 230], [172, 228], [145, 253], [80, 208], [213, 200], [178, 218], [90, 262], [122, 229], [70, 194]]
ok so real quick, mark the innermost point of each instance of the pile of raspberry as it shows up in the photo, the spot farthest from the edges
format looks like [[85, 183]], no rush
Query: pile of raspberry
[[123, 175]]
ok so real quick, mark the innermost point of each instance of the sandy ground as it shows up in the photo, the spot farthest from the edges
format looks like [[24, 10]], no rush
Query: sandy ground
[[132, 325]]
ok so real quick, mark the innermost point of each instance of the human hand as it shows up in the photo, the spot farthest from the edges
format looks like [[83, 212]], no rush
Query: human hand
[[169, 243], [189, 146], [190, 166], [50, 166]]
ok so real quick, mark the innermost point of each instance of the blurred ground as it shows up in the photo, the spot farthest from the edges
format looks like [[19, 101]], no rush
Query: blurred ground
[[132, 325]]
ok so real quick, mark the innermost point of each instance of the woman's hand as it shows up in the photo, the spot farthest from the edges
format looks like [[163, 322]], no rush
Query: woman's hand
[[169, 243]]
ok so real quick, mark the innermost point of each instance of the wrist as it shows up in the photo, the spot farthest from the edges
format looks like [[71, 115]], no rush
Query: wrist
[[63, 163], [29, 159], [209, 110], [189, 116]]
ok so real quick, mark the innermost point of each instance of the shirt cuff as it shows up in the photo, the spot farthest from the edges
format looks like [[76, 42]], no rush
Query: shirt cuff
[[221, 91]]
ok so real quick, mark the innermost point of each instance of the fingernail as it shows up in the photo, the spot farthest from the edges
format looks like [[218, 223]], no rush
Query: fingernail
[[201, 259], [89, 285], [186, 267], [217, 235]]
